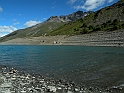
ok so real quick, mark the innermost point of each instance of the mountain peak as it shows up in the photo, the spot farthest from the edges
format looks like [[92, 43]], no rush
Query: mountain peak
[[67, 18]]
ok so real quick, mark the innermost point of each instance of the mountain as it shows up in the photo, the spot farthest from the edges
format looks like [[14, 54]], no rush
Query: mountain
[[110, 18], [106, 19], [49, 25], [71, 17]]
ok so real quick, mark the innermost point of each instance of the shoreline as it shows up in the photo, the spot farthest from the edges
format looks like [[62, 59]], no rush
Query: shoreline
[[13, 81], [101, 38]]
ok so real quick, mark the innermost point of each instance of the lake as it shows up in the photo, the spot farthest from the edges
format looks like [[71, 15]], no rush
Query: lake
[[94, 66]]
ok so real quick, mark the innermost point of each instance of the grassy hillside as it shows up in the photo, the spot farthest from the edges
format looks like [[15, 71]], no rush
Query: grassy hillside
[[107, 19], [34, 31]]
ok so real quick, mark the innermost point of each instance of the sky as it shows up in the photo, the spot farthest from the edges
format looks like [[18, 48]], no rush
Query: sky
[[20, 14]]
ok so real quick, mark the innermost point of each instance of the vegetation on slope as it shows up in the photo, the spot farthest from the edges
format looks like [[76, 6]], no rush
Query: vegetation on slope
[[80, 27], [41, 29], [107, 19], [34, 31]]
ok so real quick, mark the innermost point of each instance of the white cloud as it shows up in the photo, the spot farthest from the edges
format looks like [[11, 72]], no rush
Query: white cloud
[[1, 9], [71, 1], [44, 19], [31, 23], [4, 30], [20, 14], [91, 4], [109, 1], [16, 23], [2, 34], [2, 19], [53, 7], [88, 5]]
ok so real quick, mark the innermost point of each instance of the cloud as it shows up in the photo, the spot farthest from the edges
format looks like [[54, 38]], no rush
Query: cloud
[[88, 5], [3, 34], [2, 19], [44, 19], [1, 9], [53, 7], [31, 23], [109, 1], [71, 1], [91, 4], [16, 23], [20, 14], [4, 30]]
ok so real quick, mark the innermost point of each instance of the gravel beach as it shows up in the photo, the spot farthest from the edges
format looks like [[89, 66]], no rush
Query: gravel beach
[[14, 81], [102, 38]]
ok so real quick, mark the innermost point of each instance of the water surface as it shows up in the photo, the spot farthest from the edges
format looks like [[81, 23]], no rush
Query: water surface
[[96, 66]]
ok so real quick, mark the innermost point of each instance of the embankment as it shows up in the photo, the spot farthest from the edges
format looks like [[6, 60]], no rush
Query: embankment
[[102, 38]]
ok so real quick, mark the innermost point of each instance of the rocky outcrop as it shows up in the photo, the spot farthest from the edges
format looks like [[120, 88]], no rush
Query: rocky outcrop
[[68, 18]]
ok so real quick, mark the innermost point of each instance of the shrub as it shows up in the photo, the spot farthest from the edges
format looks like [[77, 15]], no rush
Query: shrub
[[116, 27], [91, 27], [115, 22], [75, 29], [110, 21], [84, 25], [98, 28], [84, 31], [81, 20], [106, 25], [122, 26]]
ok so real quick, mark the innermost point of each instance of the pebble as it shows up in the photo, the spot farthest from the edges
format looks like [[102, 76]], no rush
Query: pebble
[[76, 89], [23, 91], [51, 89], [69, 92], [16, 82], [59, 88]]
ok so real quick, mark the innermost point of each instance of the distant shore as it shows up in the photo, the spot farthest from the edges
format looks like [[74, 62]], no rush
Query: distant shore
[[101, 38]]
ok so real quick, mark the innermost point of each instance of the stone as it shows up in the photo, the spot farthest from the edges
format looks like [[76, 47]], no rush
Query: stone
[[6, 91], [13, 78], [23, 91], [76, 89], [69, 92], [51, 89], [59, 88], [6, 85]]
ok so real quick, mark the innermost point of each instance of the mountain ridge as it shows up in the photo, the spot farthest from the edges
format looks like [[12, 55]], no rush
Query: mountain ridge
[[106, 19], [70, 17], [42, 28]]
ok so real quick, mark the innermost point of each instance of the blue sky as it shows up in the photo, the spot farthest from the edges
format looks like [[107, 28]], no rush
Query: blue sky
[[19, 14]]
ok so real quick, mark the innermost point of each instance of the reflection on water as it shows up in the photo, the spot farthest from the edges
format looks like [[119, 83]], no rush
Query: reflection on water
[[89, 65]]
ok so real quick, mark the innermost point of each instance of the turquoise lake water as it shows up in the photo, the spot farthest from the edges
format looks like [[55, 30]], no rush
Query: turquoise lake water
[[96, 66]]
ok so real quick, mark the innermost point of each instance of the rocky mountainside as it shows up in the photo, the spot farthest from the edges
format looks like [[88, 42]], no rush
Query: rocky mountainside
[[106, 19], [49, 25], [68, 18], [110, 18], [115, 11]]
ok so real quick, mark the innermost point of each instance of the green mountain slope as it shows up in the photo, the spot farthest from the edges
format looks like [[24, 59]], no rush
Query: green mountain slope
[[41, 29], [34, 31], [107, 19]]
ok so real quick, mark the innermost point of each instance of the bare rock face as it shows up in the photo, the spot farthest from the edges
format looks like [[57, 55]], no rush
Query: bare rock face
[[68, 18]]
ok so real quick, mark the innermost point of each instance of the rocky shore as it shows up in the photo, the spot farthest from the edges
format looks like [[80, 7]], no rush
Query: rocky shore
[[14, 81], [102, 38]]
